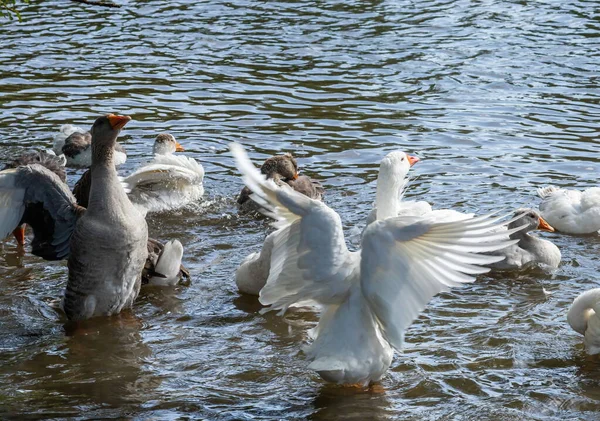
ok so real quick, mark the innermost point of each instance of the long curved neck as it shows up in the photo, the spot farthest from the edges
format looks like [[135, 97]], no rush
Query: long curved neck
[[387, 199], [106, 195], [582, 309]]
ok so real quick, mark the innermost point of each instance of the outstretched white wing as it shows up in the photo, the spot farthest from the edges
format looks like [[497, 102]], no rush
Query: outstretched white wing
[[406, 261], [310, 260], [166, 169]]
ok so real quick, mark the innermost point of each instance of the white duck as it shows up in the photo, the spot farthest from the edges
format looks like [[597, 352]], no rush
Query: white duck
[[168, 181], [571, 211], [583, 318], [369, 297], [529, 249], [75, 144]]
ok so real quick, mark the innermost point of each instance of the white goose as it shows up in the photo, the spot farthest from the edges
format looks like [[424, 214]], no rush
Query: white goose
[[369, 297], [530, 250], [583, 318], [168, 181], [571, 211]]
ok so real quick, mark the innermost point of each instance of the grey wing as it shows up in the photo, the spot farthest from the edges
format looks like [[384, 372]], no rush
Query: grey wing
[[50, 210]]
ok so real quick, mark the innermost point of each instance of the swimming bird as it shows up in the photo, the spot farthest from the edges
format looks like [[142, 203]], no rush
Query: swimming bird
[[369, 297], [75, 144], [583, 318], [529, 249], [168, 181], [106, 244], [282, 169], [571, 211]]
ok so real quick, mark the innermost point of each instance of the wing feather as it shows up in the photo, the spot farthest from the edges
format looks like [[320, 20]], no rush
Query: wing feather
[[50, 209], [310, 260], [407, 261]]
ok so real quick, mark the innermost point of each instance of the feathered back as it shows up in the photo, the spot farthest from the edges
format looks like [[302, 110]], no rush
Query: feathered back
[[48, 160]]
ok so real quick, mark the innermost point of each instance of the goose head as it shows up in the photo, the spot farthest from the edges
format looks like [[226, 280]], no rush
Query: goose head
[[284, 167], [395, 165], [532, 221], [106, 129], [390, 181], [165, 143]]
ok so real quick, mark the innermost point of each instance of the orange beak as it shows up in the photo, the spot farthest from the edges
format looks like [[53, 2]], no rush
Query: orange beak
[[117, 122], [412, 160], [544, 226], [178, 147], [295, 177], [19, 234]]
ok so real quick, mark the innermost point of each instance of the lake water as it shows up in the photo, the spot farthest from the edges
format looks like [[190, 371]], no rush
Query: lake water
[[496, 97]]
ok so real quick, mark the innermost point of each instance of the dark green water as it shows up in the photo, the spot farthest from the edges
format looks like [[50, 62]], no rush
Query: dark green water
[[496, 97]]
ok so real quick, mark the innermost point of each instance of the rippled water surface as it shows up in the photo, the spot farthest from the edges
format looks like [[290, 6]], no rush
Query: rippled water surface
[[496, 97]]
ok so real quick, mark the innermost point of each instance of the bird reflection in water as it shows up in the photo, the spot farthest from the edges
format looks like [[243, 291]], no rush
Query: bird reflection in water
[[334, 402], [109, 350]]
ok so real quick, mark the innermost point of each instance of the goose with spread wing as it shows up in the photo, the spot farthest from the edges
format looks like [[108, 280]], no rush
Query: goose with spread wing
[[106, 244], [76, 145], [571, 211], [167, 182], [392, 181], [369, 297], [163, 265]]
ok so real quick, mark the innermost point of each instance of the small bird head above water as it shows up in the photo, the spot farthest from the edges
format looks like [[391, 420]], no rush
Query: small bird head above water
[[106, 128], [531, 219], [285, 166], [166, 143]]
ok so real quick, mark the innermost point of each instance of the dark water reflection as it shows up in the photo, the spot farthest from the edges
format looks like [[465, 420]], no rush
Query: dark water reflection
[[497, 98]]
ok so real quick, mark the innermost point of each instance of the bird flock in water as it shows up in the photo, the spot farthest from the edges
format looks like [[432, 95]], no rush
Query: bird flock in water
[[366, 298]]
